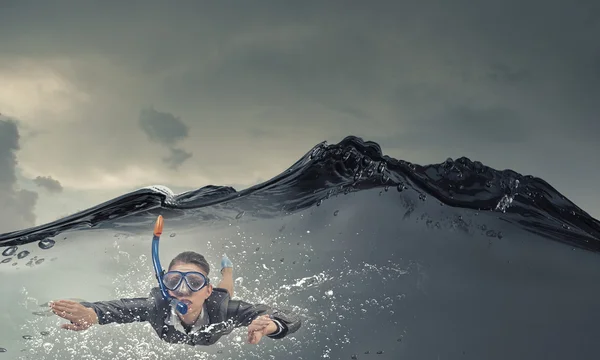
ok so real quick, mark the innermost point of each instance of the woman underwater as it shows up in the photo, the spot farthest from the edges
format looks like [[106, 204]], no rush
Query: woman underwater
[[185, 308]]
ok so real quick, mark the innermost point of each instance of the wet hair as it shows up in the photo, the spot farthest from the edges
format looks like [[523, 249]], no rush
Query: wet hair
[[191, 257]]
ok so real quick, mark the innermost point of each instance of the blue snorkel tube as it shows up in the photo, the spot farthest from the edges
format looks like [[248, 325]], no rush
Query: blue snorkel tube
[[158, 270]]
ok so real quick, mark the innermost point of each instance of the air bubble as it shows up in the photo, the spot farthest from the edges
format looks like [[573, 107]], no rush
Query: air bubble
[[173, 235], [39, 261], [5, 260], [46, 244], [357, 176], [2, 350], [23, 254], [335, 213], [240, 215], [10, 251], [400, 187]]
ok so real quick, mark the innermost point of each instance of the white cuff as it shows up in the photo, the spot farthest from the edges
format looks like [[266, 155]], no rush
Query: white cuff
[[279, 328]]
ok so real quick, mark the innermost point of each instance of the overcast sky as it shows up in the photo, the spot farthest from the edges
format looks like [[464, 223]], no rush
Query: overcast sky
[[102, 97]]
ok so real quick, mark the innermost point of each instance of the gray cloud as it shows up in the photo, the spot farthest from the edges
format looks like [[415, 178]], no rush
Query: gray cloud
[[163, 127], [167, 129], [48, 183], [177, 158], [18, 205]]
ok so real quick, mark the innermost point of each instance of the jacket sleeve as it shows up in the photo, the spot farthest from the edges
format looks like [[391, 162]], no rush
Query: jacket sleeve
[[243, 313], [123, 310]]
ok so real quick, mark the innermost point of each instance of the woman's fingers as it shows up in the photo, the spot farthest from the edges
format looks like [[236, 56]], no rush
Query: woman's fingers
[[77, 314], [254, 327], [262, 320], [66, 305], [65, 315], [69, 310], [70, 303], [60, 307], [252, 338]]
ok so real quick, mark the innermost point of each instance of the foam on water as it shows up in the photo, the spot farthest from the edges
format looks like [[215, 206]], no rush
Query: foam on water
[[380, 257]]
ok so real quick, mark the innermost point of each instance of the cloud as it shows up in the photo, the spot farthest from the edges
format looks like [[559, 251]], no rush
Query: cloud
[[177, 158], [166, 129], [163, 127], [48, 183], [18, 205]]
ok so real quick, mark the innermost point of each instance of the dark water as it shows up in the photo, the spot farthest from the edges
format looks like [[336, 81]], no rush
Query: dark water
[[383, 259]]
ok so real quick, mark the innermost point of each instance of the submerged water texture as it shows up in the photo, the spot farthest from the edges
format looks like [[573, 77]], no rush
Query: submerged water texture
[[383, 259]]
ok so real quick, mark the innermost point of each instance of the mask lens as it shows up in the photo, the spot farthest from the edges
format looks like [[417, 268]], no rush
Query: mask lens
[[195, 281], [172, 280]]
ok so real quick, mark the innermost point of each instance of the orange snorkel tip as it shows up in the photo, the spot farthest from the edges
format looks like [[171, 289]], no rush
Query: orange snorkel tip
[[158, 227]]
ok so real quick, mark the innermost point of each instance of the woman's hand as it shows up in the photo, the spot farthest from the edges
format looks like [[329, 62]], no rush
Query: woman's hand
[[260, 327], [81, 317]]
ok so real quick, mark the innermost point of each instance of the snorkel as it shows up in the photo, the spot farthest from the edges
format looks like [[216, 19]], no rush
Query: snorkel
[[158, 270]]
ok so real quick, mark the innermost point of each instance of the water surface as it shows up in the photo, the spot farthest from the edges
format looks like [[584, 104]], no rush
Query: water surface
[[382, 258]]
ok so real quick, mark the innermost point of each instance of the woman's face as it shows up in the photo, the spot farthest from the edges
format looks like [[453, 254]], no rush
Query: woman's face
[[194, 300]]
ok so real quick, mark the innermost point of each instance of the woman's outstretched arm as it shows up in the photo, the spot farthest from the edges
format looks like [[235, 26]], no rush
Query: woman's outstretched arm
[[85, 314]]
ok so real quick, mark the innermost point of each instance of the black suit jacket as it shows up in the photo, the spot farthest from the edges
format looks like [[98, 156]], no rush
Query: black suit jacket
[[224, 314]]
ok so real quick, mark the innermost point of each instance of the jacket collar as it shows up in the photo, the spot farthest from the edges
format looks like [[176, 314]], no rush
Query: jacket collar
[[216, 305]]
